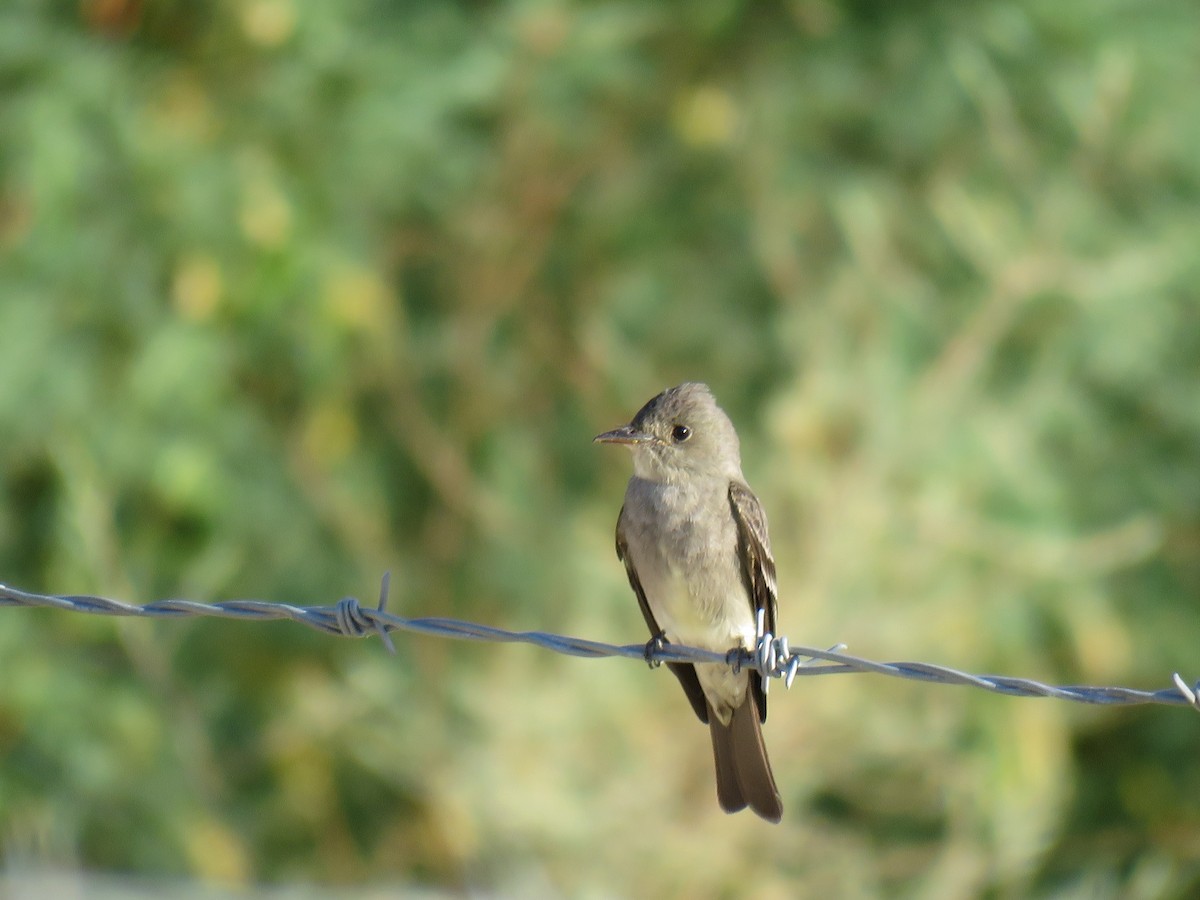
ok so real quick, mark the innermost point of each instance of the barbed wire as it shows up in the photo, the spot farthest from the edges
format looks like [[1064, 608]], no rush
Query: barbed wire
[[774, 657]]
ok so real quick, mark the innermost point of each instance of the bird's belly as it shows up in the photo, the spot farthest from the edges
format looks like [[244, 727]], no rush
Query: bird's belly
[[710, 622], [690, 614]]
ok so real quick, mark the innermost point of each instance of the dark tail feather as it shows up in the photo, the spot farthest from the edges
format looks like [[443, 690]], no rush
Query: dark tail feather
[[729, 788], [743, 772]]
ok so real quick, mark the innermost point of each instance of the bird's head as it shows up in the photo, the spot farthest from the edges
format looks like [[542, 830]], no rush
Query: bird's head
[[680, 433]]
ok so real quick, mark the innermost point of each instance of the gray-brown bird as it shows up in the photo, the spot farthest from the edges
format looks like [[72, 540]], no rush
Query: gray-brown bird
[[693, 538]]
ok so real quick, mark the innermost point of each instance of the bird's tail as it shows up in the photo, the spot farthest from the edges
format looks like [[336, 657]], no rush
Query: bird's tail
[[743, 771]]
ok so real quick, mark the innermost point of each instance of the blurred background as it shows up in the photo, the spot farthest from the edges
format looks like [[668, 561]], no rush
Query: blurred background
[[293, 293]]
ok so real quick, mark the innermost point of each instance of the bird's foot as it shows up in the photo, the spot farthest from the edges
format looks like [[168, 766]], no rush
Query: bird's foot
[[655, 646], [737, 657]]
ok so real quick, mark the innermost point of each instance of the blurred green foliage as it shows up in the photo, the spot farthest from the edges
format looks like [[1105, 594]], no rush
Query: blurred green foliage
[[292, 293]]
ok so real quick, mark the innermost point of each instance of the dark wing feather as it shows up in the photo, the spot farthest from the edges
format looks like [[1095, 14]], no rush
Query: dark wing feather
[[758, 567], [685, 672]]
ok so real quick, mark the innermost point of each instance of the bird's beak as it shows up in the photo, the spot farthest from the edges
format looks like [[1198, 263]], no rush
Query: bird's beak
[[626, 434]]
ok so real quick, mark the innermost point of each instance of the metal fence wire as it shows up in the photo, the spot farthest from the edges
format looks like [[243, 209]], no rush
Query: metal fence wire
[[774, 657]]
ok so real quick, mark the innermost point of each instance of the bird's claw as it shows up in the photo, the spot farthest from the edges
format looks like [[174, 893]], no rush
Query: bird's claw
[[736, 658], [654, 646]]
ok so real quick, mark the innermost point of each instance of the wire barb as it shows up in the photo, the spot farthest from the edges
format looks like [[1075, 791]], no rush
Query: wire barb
[[1191, 694], [353, 621], [772, 657]]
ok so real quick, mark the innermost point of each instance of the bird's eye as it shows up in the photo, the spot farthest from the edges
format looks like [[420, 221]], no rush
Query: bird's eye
[[680, 433]]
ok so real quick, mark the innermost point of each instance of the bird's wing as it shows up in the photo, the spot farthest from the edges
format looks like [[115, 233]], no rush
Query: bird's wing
[[758, 566], [685, 672]]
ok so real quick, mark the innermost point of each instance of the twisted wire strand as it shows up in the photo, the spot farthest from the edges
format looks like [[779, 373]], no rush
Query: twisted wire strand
[[774, 657]]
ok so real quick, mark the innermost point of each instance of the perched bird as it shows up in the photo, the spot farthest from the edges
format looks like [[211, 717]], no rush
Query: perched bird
[[693, 538]]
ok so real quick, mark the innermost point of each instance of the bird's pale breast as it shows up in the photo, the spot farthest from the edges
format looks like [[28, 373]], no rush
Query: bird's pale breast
[[692, 577]]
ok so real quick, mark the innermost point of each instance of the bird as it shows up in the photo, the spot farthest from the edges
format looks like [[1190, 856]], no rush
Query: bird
[[693, 538]]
